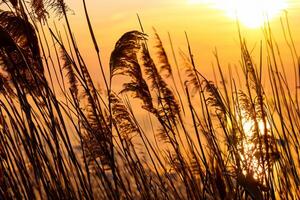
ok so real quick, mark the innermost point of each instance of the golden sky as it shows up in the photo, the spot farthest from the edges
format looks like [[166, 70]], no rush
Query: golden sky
[[206, 21]]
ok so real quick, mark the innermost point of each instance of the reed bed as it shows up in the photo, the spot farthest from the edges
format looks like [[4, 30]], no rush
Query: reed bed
[[207, 140]]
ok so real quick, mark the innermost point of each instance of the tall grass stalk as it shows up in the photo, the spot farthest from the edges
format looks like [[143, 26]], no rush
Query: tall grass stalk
[[191, 138]]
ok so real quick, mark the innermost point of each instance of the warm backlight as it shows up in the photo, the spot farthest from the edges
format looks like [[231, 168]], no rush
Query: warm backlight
[[251, 13], [250, 148]]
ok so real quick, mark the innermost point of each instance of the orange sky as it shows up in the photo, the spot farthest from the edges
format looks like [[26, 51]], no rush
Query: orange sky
[[207, 27]]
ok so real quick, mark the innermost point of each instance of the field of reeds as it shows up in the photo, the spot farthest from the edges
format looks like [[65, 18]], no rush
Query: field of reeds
[[230, 138]]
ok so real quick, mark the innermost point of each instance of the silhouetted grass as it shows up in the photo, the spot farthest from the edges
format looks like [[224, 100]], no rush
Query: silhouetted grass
[[204, 140]]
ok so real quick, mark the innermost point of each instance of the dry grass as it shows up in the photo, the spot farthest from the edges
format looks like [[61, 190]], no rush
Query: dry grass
[[204, 141]]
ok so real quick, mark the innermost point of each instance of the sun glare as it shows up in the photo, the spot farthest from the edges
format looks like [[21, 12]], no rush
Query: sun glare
[[250, 148], [251, 13]]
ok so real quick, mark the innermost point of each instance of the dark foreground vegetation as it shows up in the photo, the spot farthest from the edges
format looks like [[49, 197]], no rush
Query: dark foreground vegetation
[[228, 139]]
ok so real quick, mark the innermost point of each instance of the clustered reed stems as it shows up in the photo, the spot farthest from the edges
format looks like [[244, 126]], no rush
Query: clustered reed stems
[[62, 138]]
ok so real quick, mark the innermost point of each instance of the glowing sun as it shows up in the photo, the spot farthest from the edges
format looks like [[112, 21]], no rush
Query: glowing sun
[[251, 13]]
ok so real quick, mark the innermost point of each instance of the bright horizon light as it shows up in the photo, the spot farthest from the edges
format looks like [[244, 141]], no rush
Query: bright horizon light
[[248, 145], [251, 13]]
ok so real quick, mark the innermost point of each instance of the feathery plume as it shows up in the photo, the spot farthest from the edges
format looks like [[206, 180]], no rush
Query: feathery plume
[[164, 64], [68, 66], [123, 61], [20, 52]]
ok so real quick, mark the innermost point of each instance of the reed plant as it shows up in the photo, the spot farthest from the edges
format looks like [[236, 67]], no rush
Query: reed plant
[[63, 138]]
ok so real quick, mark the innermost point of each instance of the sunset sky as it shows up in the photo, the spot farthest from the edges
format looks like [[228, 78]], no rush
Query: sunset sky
[[207, 22]]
